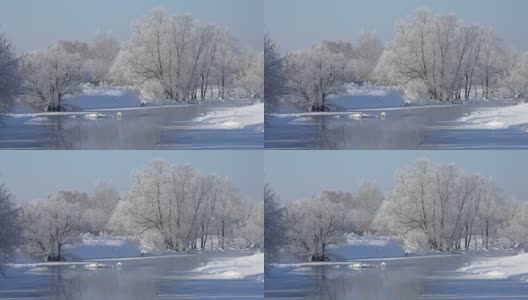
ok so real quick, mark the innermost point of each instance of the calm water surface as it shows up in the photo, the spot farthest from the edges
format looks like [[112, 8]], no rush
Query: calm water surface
[[427, 127], [170, 127], [149, 278], [405, 279]]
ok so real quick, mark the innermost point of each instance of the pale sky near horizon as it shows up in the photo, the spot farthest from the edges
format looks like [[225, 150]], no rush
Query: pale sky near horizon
[[298, 24], [33, 24], [32, 175], [294, 175], [298, 175]]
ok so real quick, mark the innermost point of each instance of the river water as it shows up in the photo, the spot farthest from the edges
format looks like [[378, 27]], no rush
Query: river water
[[145, 278], [159, 127], [407, 278], [413, 127]]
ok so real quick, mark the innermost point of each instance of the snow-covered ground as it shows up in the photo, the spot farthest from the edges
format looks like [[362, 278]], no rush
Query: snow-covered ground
[[246, 117], [498, 118], [510, 267], [357, 97], [94, 247], [234, 268], [355, 247], [94, 97]]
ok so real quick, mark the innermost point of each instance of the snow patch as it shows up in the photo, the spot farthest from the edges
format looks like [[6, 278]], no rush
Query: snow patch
[[515, 116], [95, 116], [251, 116], [358, 266], [361, 116], [95, 266], [234, 268], [512, 267]]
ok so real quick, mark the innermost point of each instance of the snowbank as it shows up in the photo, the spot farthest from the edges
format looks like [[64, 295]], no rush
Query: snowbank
[[511, 267], [507, 117], [250, 117], [234, 268], [357, 247]]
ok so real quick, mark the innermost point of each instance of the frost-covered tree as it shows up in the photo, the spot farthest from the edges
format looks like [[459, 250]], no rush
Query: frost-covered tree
[[175, 57], [515, 78], [226, 213], [410, 53], [226, 61], [10, 79], [491, 213], [158, 52], [148, 206], [440, 58], [275, 227], [491, 61], [9, 226], [440, 207], [274, 73], [365, 206], [100, 207], [250, 78], [515, 228], [314, 74], [50, 75], [314, 224], [360, 57], [367, 53], [101, 55], [250, 226], [178, 207], [49, 225]]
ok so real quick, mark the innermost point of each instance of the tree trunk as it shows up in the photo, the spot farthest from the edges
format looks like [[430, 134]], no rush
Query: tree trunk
[[223, 85], [487, 234], [223, 235], [59, 252]]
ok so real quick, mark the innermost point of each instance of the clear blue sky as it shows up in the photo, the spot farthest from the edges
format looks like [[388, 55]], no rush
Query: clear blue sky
[[298, 24], [34, 24], [36, 174], [297, 175]]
